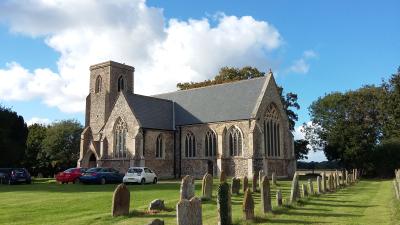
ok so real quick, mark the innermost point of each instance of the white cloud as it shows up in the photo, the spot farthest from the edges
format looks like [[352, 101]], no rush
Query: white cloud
[[302, 64], [162, 52], [38, 120]]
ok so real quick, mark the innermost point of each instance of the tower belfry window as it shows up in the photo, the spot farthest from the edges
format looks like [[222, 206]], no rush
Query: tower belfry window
[[120, 83], [98, 85]]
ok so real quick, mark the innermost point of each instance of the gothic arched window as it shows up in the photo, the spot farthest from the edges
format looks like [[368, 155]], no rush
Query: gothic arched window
[[120, 83], [190, 145], [235, 141], [159, 147], [210, 144], [272, 133], [98, 85], [120, 132]]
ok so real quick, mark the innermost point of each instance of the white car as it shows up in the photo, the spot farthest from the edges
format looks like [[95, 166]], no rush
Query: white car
[[140, 175]]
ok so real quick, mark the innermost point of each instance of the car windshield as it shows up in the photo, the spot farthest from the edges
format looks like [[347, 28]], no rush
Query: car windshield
[[91, 170], [134, 170], [69, 170]]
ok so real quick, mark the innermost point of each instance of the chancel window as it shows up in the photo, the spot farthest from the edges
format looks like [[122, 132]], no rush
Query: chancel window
[[120, 83], [120, 132], [272, 132], [190, 145], [159, 147], [235, 141], [98, 84], [210, 144]]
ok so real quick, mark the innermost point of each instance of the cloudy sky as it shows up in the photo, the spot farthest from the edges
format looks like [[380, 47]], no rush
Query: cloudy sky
[[313, 47]]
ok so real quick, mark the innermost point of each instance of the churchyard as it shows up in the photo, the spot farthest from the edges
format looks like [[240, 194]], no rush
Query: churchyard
[[46, 202]]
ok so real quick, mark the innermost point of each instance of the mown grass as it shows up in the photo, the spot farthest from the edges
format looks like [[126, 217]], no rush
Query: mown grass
[[368, 202]]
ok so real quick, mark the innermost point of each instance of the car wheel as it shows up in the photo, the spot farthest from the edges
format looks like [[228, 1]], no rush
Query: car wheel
[[155, 181], [103, 181], [143, 181]]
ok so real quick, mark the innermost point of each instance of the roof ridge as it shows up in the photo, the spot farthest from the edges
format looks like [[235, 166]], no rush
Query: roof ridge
[[211, 86]]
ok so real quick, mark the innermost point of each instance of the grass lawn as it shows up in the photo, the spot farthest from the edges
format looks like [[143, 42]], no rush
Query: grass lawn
[[368, 202]]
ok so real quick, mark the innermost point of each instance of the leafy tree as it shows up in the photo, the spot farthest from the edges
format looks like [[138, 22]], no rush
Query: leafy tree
[[301, 149], [230, 74], [13, 133], [386, 158], [391, 107], [61, 144], [33, 159]]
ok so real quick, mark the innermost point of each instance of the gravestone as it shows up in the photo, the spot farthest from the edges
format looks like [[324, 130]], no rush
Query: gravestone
[[188, 212], [260, 176], [254, 183], [304, 192], [156, 222], [224, 204], [323, 182], [235, 185], [319, 186], [330, 182], [274, 178], [396, 188], [222, 177], [266, 195], [311, 187], [187, 187], [245, 183], [207, 187], [157, 204], [279, 198], [294, 191], [120, 201], [248, 205]]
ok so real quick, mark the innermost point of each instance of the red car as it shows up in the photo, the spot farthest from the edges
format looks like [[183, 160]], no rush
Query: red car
[[70, 175]]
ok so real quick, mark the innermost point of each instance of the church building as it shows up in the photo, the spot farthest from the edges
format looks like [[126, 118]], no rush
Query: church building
[[239, 127]]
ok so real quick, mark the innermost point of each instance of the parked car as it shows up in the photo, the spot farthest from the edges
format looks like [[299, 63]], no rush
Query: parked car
[[140, 175], [14, 176], [101, 175], [70, 175]]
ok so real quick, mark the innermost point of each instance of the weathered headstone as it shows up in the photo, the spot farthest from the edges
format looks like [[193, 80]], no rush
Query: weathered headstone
[[120, 201], [304, 192], [245, 183], [266, 195], [294, 191], [279, 198], [330, 182], [319, 186], [274, 178], [248, 205], [157, 204], [323, 182], [187, 187], [156, 222], [347, 177], [235, 185], [260, 176], [188, 212], [206, 187], [311, 187], [254, 183], [222, 177], [224, 204]]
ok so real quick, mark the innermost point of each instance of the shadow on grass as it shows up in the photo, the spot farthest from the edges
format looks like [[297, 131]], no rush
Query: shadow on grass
[[336, 205], [321, 214]]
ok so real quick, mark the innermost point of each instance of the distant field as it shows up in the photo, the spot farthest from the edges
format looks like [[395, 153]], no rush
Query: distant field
[[368, 202]]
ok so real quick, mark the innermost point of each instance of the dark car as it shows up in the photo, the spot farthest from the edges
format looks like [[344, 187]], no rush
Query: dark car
[[101, 175], [14, 176], [70, 175]]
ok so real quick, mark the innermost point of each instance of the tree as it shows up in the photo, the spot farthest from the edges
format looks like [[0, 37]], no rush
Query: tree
[[230, 74], [13, 133], [301, 149], [33, 158], [391, 107], [61, 144]]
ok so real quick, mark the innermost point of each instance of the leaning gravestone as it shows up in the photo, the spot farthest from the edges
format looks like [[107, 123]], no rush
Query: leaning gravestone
[[120, 201], [294, 191], [189, 212], [319, 188], [323, 182], [235, 185], [157, 204], [279, 198], [266, 195], [187, 187], [245, 183], [248, 205], [311, 186], [222, 177], [224, 204], [254, 183], [274, 178], [207, 187]]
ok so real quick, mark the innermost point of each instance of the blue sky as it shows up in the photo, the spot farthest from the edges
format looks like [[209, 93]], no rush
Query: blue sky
[[314, 47]]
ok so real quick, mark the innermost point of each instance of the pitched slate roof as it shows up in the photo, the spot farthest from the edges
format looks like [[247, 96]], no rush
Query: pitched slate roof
[[222, 102]]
